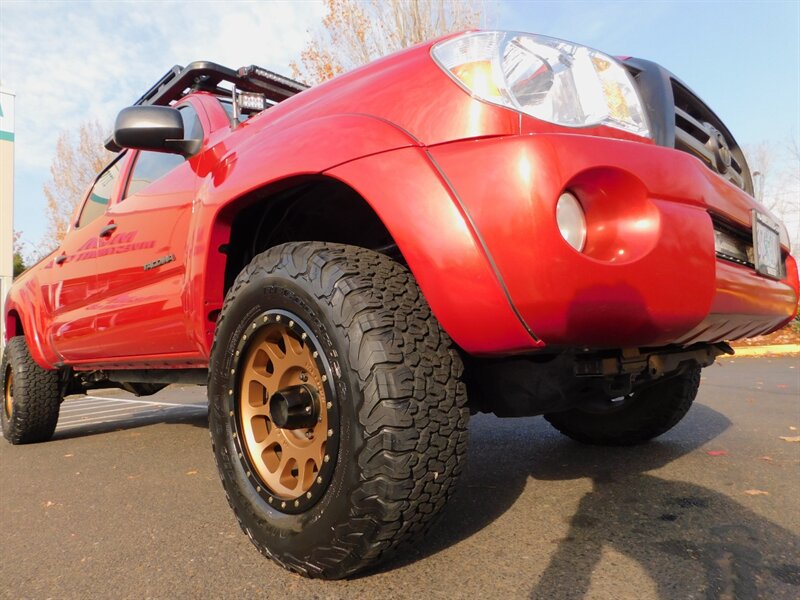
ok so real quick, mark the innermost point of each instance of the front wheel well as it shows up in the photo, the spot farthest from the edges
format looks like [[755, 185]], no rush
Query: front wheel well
[[13, 325], [319, 209]]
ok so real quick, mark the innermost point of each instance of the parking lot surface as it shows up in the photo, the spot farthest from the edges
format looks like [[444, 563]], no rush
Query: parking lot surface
[[125, 502]]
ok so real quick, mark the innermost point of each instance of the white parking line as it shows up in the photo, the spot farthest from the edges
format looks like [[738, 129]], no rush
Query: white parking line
[[134, 417], [204, 405], [97, 406], [97, 410], [80, 402], [90, 416]]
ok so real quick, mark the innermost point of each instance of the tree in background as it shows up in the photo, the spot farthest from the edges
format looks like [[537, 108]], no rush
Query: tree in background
[[775, 168], [354, 32], [18, 252], [77, 161]]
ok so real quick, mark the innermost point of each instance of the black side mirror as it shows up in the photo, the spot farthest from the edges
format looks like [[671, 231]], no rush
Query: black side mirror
[[156, 128]]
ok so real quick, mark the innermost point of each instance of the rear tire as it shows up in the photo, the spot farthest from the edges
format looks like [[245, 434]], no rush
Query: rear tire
[[393, 433], [645, 415], [31, 398]]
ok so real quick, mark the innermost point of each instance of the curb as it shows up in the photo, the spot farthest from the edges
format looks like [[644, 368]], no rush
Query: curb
[[778, 350]]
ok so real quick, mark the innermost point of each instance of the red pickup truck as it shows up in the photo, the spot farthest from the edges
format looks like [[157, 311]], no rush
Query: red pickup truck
[[492, 221]]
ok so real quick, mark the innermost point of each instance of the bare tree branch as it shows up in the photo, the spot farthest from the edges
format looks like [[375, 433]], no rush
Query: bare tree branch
[[354, 32], [775, 168]]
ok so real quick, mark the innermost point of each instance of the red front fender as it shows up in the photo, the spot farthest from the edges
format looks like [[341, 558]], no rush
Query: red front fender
[[27, 301], [443, 250]]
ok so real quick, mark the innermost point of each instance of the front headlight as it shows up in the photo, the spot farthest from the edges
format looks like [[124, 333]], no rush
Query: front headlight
[[549, 79]]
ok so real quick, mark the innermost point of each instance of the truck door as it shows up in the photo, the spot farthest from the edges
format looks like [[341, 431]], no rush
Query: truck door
[[141, 272], [74, 279]]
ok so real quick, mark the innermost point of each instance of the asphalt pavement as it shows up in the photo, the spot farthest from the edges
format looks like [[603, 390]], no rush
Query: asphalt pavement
[[125, 503]]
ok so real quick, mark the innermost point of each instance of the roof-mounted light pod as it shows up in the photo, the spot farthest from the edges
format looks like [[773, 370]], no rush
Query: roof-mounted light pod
[[552, 80]]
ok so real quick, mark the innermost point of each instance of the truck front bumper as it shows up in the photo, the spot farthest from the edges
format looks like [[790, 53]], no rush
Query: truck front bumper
[[648, 275]]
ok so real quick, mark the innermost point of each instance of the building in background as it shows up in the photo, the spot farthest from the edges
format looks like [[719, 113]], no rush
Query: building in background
[[6, 201]]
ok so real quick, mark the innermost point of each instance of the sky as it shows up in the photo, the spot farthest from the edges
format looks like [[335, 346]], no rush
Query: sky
[[68, 62]]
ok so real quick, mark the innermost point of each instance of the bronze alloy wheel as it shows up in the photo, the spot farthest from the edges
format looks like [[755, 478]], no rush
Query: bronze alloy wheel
[[337, 409], [286, 420], [8, 393]]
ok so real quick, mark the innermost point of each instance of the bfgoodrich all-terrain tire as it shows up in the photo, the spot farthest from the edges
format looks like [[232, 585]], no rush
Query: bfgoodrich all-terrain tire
[[337, 411], [31, 399], [640, 417]]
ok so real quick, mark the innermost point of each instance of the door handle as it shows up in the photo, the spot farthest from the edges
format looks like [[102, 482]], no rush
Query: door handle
[[60, 259], [108, 230]]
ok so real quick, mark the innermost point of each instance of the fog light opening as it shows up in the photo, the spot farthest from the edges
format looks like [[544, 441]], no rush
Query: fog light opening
[[571, 220]]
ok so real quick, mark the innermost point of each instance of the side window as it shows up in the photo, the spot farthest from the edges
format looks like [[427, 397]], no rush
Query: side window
[[151, 166], [192, 129], [100, 194]]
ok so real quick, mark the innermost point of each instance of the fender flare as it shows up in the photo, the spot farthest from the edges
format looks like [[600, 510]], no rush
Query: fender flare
[[387, 166], [41, 354], [443, 250]]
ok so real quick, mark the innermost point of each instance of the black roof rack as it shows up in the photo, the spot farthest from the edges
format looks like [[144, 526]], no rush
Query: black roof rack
[[207, 76]]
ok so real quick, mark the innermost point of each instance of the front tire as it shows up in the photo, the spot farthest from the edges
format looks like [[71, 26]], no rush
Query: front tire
[[641, 417], [31, 398], [337, 412]]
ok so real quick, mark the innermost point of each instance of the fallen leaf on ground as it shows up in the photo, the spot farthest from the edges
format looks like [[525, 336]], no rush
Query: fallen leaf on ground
[[792, 428], [790, 438], [767, 458], [192, 472], [756, 493], [717, 452], [68, 455]]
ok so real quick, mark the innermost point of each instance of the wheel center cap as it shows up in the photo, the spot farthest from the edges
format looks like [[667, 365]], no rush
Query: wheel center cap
[[294, 407]]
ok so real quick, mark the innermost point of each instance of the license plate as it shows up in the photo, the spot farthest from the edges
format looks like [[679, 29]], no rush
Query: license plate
[[767, 246]]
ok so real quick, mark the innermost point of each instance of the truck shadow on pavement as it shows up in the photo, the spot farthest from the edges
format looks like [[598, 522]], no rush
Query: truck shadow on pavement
[[691, 541]]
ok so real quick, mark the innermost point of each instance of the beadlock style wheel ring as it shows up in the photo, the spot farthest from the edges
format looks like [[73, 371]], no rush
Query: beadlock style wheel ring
[[285, 417], [8, 393]]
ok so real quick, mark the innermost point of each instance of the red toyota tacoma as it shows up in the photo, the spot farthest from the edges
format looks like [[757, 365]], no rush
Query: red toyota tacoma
[[492, 221]]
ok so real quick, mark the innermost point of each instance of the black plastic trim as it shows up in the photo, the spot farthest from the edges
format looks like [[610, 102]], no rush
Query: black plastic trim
[[656, 94], [657, 88]]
